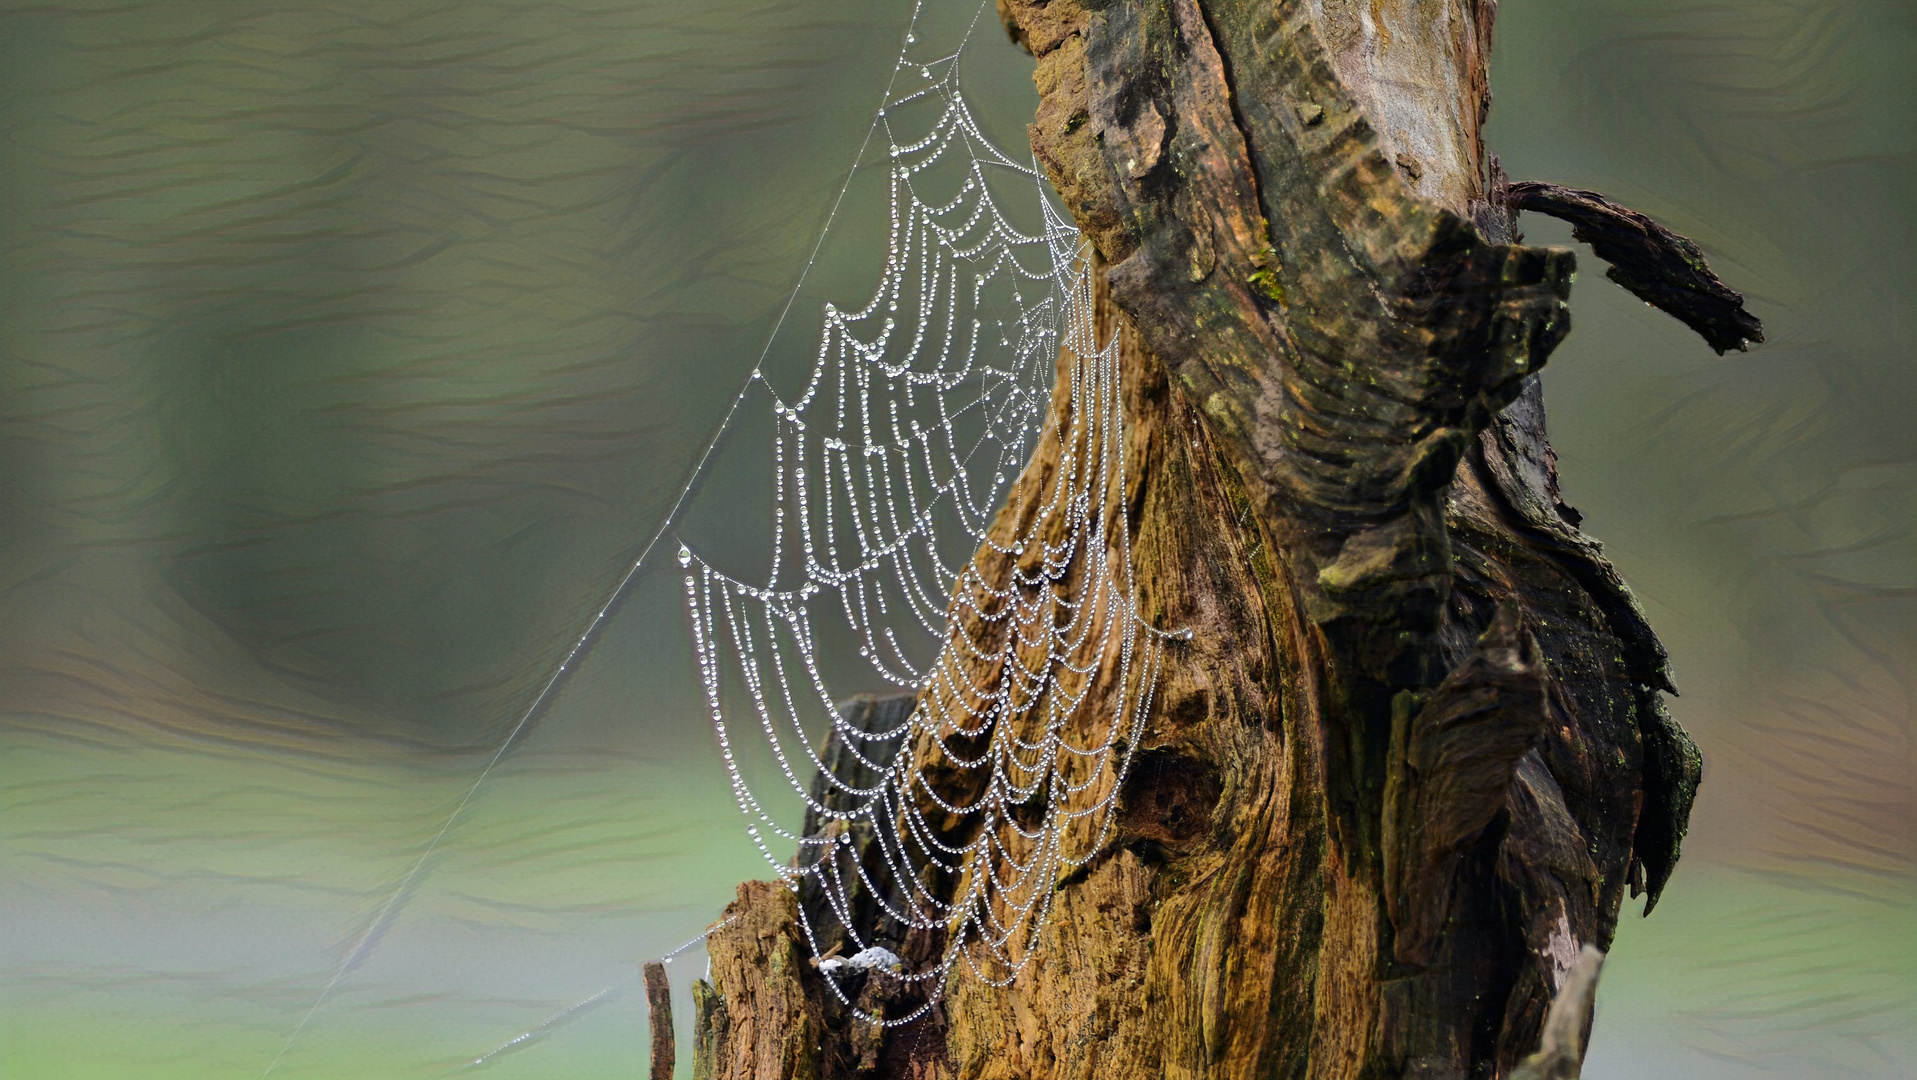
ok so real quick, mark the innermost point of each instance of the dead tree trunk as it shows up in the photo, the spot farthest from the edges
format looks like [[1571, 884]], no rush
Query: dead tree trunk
[[1414, 754]]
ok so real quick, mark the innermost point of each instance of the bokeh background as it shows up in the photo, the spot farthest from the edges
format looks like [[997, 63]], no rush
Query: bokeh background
[[349, 352]]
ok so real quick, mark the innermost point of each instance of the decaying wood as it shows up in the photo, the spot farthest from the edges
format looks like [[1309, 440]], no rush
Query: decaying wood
[[659, 1017], [1560, 1054], [711, 1024], [1414, 754], [1658, 266]]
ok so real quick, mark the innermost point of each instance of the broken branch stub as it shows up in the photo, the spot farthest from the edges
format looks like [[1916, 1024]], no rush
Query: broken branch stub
[[1650, 261], [1560, 1054]]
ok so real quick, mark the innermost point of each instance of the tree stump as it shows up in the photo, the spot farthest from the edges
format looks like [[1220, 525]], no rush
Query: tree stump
[[1413, 755]]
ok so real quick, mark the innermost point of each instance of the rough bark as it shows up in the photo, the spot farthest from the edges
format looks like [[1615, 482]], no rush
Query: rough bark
[[1414, 754], [659, 1017]]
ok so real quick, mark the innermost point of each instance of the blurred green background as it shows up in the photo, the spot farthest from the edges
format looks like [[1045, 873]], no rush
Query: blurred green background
[[349, 352]]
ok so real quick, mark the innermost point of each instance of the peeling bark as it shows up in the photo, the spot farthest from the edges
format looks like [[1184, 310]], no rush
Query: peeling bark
[[1414, 754]]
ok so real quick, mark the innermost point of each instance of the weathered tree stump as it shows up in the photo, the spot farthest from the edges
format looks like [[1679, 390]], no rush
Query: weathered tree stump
[[1414, 754]]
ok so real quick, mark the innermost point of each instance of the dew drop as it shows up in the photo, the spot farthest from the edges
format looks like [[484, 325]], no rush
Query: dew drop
[[685, 555]]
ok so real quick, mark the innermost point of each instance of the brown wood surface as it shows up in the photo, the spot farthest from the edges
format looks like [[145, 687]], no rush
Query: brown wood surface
[[659, 1016], [1414, 755]]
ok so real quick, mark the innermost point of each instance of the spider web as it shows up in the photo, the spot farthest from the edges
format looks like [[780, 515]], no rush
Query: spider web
[[1017, 631], [905, 515]]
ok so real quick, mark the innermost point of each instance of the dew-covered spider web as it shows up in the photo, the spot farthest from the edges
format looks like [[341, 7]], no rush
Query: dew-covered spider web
[[948, 482], [1015, 628]]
